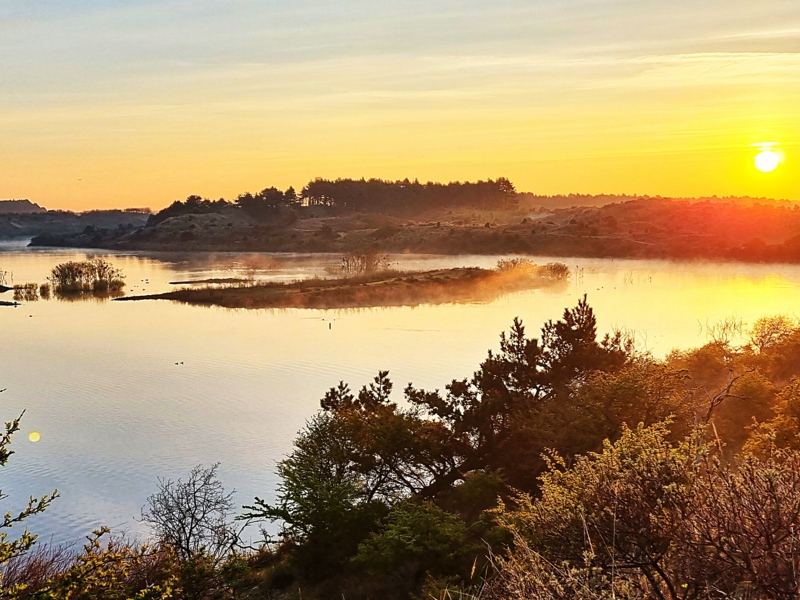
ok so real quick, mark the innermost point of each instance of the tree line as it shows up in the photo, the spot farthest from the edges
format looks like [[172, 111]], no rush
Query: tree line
[[344, 195]]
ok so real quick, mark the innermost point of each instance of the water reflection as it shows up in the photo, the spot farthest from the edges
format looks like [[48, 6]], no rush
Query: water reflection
[[114, 411], [27, 292], [33, 292]]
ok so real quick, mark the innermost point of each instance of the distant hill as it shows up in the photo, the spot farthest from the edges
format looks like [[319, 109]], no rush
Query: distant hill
[[643, 228], [483, 217], [19, 207], [55, 222]]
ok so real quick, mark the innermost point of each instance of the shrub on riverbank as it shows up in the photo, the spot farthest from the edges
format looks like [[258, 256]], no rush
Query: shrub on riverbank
[[96, 276]]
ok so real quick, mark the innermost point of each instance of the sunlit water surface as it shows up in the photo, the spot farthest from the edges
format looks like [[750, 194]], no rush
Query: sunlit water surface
[[99, 380]]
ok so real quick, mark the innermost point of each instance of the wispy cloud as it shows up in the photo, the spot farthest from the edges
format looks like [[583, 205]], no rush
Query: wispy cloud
[[440, 81]]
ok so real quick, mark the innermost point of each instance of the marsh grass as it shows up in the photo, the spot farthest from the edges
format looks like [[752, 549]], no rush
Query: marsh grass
[[96, 276], [523, 266], [371, 261]]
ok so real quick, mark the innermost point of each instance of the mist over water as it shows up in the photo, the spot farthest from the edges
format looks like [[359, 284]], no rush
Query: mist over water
[[99, 380]]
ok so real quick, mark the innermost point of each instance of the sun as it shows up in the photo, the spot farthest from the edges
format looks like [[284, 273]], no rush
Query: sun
[[768, 159]]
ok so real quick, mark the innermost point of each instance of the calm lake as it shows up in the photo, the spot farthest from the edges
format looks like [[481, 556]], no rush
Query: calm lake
[[125, 392]]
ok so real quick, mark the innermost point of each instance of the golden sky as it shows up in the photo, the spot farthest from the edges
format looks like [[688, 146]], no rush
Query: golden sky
[[138, 103]]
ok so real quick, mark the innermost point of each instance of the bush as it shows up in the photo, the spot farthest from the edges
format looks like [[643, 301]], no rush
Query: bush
[[193, 516], [96, 276], [555, 270], [417, 535], [524, 266], [646, 518]]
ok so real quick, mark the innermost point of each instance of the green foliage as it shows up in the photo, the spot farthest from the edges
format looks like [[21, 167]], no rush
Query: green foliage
[[420, 533], [324, 506], [751, 397], [415, 540], [477, 492], [622, 506], [488, 418], [647, 518], [621, 520], [316, 489]]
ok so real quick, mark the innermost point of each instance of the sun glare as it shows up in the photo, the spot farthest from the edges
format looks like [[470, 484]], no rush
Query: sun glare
[[768, 159]]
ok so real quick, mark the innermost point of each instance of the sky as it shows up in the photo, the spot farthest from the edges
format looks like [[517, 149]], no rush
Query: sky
[[109, 103]]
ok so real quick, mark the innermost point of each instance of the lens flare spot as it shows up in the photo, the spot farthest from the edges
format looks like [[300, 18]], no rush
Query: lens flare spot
[[34, 436]]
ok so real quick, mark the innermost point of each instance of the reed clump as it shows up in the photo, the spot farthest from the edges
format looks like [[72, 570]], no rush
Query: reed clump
[[552, 270], [371, 261], [95, 276]]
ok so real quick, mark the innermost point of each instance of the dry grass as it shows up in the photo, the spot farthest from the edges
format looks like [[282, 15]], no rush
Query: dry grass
[[36, 568]]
